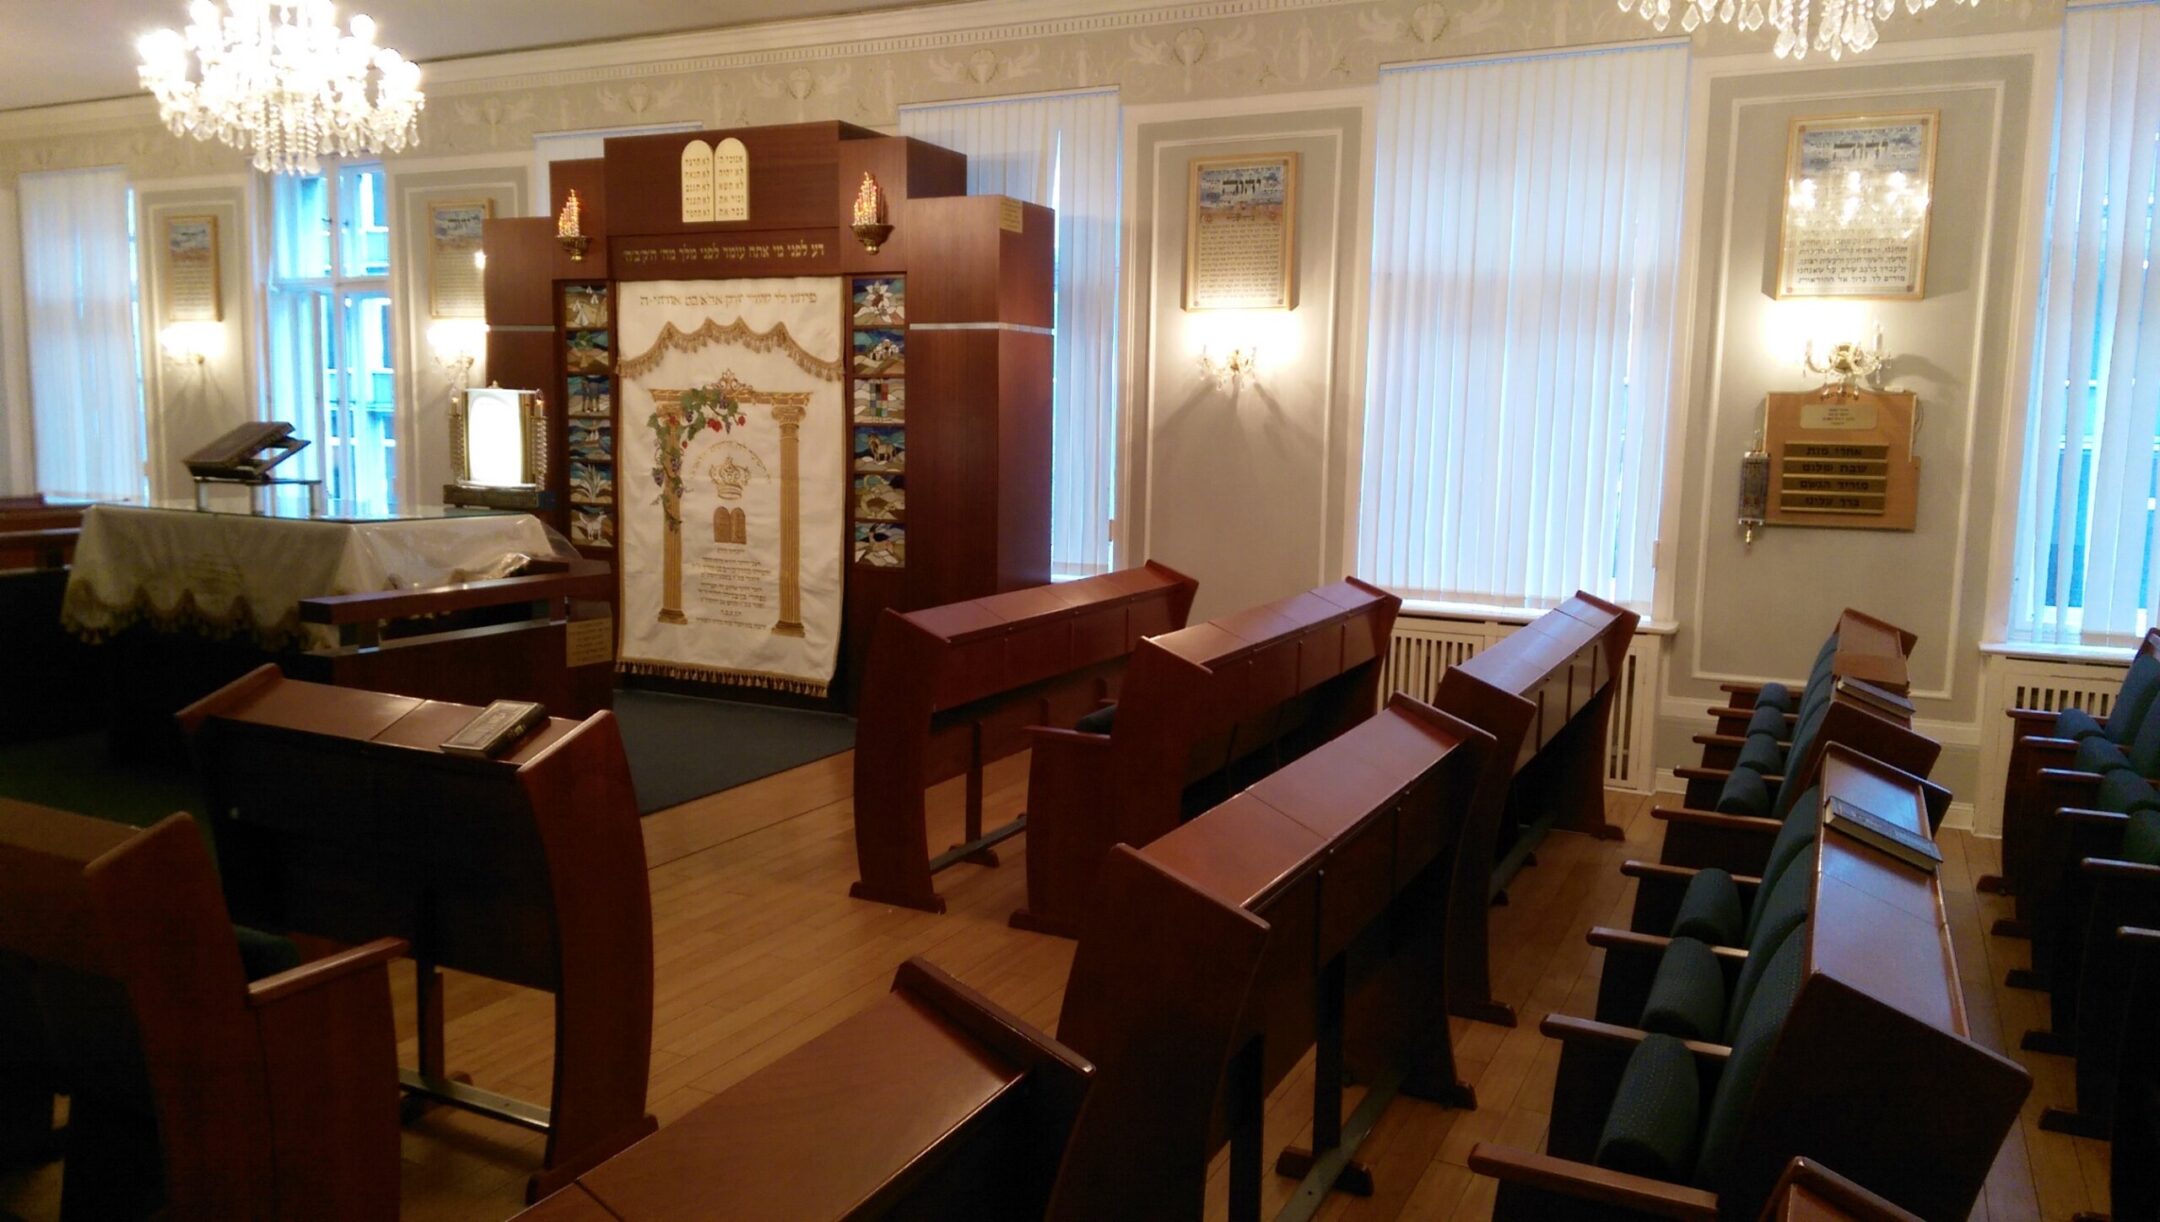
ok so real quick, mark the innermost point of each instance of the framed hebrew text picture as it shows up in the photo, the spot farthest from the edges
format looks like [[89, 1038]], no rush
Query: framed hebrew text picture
[[190, 284], [1241, 233], [453, 274], [1857, 203]]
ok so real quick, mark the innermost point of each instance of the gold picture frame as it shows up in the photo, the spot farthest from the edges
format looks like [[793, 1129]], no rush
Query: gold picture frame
[[454, 279], [1879, 267], [191, 283], [1241, 232]]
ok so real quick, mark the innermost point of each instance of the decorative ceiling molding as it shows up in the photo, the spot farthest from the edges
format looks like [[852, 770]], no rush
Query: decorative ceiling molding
[[928, 28], [823, 68]]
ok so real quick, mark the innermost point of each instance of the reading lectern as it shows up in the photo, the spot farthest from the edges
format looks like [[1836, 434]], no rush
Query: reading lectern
[[335, 814]]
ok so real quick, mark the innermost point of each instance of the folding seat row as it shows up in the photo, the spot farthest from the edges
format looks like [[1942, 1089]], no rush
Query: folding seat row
[[1759, 1015]]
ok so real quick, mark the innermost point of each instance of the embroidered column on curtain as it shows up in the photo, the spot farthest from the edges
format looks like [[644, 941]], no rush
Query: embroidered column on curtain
[[2084, 566], [1518, 379], [86, 401], [1061, 151]]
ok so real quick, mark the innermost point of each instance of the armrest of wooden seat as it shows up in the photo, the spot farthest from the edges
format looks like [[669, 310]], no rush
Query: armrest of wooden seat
[[1711, 818], [1747, 690], [2091, 818], [1595, 1185], [579, 579], [1588, 1031], [2120, 871], [1657, 871], [1627, 941], [318, 973]]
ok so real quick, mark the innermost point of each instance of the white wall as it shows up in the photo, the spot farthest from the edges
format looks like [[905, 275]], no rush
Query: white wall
[[188, 404], [1241, 486], [1748, 613]]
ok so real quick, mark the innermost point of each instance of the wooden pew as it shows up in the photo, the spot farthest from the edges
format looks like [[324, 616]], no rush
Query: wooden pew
[[41, 656], [1345, 853], [1869, 665], [936, 1103], [2134, 1168], [471, 642], [194, 1093], [1204, 709], [1874, 1069], [2033, 748], [336, 815], [948, 690], [1544, 693], [1696, 838]]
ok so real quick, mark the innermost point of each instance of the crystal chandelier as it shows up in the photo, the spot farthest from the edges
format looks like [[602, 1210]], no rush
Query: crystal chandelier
[[277, 79], [1839, 26]]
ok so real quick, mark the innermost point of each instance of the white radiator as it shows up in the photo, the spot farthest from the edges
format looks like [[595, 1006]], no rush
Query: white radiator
[[2030, 683], [1423, 647]]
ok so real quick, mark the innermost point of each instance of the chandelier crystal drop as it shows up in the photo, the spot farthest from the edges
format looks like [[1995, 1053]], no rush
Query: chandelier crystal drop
[[278, 80], [1886, 205], [1836, 26]]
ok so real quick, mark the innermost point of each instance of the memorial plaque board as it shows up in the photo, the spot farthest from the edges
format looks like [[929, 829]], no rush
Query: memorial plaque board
[[1844, 461]]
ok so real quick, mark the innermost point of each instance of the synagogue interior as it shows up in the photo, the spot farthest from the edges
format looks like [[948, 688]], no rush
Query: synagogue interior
[[1080, 609]]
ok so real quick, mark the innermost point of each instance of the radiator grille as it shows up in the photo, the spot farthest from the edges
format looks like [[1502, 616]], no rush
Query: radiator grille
[[2028, 683], [1422, 649]]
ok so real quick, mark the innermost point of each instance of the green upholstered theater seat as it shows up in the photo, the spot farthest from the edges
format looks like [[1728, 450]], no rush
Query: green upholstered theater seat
[[2140, 683], [1657, 1125]]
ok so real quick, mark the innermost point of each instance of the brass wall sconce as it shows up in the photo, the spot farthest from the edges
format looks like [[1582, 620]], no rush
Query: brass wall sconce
[[1239, 365]]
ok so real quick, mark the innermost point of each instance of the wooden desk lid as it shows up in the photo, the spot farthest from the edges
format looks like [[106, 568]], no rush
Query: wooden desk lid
[[812, 1136]]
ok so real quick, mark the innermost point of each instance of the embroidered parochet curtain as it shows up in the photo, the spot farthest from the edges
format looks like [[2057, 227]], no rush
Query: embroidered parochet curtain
[[733, 481]]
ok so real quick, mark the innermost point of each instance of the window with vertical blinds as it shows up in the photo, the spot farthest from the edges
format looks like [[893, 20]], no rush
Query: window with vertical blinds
[[2083, 569], [1526, 233], [86, 397], [1063, 151]]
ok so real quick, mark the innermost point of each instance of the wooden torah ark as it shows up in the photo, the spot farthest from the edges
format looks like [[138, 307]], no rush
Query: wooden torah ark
[[978, 270], [1345, 853], [337, 816], [195, 1093], [1874, 1070], [934, 1102], [951, 689], [1544, 692], [1223, 703]]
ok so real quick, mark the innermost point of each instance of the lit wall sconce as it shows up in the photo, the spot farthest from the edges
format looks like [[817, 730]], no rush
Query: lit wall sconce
[[1234, 368], [570, 230], [479, 260], [191, 343], [457, 345], [1845, 364]]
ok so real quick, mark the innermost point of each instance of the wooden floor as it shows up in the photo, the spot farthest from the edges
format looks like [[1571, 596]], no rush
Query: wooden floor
[[757, 949]]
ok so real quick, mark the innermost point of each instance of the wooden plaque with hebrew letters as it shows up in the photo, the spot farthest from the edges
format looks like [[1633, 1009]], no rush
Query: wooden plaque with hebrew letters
[[1842, 460]]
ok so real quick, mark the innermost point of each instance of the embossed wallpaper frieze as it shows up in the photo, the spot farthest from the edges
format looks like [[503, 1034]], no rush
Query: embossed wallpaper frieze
[[1218, 49]]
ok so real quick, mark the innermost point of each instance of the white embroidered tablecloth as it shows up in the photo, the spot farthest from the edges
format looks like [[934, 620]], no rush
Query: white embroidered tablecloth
[[226, 573]]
